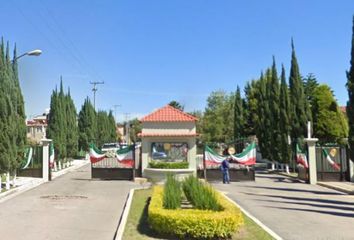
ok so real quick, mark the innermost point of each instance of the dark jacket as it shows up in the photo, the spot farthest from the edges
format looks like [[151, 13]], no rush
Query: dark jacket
[[225, 164]]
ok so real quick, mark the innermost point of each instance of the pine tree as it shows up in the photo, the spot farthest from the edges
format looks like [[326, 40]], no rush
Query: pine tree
[[284, 123], [238, 116], [87, 125], [310, 85], [350, 103], [297, 98]]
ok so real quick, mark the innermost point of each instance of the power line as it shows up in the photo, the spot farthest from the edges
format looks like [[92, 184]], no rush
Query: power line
[[94, 90]]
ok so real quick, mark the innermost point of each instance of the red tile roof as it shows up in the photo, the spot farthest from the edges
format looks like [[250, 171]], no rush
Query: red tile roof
[[168, 114], [168, 134]]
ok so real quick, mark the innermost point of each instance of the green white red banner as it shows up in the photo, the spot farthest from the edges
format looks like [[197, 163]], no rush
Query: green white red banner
[[329, 159], [124, 156], [301, 157], [246, 157]]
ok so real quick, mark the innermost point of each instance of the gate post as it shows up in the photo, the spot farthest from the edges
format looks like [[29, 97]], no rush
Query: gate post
[[45, 163], [311, 144]]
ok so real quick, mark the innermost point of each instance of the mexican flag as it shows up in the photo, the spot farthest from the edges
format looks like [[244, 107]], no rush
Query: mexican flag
[[329, 159], [247, 157], [301, 157], [28, 156], [124, 156], [51, 155]]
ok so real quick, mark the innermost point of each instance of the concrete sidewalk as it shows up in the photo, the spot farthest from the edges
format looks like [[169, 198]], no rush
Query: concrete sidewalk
[[24, 184], [295, 210], [345, 187], [72, 206]]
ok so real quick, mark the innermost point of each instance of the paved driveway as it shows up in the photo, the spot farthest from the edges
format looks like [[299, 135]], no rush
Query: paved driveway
[[71, 207], [295, 210]]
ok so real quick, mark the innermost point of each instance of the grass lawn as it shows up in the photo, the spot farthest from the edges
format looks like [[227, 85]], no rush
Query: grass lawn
[[137, 226]]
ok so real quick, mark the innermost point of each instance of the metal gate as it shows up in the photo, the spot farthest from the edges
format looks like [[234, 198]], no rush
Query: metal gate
[[332, 163], [32, 164]]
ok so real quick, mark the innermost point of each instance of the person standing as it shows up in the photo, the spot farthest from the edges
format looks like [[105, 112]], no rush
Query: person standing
[[225, 171]]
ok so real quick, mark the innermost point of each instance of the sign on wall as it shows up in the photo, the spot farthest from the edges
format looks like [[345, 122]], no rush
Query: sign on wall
[[169, 152]]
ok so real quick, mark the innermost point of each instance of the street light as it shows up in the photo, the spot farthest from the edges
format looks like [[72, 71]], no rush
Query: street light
[[35, 52]]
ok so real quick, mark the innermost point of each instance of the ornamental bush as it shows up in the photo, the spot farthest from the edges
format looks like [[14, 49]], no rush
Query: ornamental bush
[[172, 193], [169, 165], [202, 196], [194, 223]]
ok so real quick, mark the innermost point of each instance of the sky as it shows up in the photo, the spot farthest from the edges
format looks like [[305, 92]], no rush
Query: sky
[[150, 52]]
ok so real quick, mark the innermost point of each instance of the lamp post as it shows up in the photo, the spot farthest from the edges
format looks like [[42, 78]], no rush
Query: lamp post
[[35, 52]]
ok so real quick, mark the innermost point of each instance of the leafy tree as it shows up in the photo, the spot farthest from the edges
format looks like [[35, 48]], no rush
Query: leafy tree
[[238, 115], [218, 118], [350, 103], [329, 123], [87, 125], [284, 120], [135, 128], [177, 105], [299, 116]]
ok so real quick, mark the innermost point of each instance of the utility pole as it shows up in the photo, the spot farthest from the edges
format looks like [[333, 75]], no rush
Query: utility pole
[[94, 90], [115, 111]]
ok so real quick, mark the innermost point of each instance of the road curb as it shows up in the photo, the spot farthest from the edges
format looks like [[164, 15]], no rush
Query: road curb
[[339, 189], [258, 222], [21, 189], [124, 217], [69, 169], [35, 183]]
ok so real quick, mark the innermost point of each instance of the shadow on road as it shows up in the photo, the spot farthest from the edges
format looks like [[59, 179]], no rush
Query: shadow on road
[[339, 214], [319, 200], [296, 190]]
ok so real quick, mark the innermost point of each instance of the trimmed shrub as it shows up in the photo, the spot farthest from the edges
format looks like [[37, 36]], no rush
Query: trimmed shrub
[[194, 223], [172, 193], [169, 165], [202, 196]]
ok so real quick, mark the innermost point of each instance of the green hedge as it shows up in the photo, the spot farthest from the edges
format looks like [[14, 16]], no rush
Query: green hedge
[[169, 165], [194, 223]]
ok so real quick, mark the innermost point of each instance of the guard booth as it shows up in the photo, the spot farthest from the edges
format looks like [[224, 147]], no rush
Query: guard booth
[[168, 144]]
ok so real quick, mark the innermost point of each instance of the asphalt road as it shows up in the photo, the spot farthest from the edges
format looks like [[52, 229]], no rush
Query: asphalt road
[[294, 210], [71, 207]]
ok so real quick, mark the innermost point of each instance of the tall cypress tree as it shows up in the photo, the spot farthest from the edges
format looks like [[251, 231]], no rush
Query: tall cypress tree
[[274, 113], [297, 99], [262, 124], [250, 114], [72, 136], [87, 125], [5, 142], [112, 127], [238, 115], [284, 123], [20, 112], [350, 103]]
